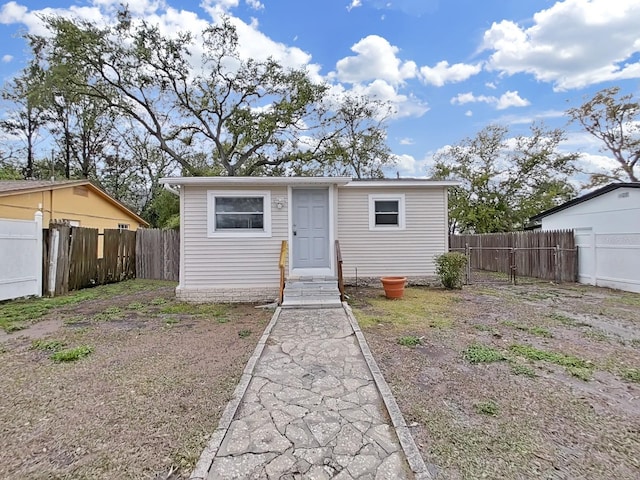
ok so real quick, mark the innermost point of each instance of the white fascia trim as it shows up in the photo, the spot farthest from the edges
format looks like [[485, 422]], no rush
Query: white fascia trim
[[401, 184], [254, 181]]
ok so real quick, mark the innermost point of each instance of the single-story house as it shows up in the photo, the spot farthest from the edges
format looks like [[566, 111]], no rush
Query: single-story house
[[606, 223], [77, 202], [232, 229]]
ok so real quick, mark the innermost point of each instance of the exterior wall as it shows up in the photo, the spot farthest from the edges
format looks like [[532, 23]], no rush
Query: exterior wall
[[607, 230], [409, 252], [607, 213], [229, 268], [83, 205]]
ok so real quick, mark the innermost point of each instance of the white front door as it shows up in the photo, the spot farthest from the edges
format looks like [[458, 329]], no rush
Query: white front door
[[310, 229]]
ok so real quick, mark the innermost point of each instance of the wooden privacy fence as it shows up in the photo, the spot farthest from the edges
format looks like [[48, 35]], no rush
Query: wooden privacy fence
[[70, 258], [71, 262], [158, 254], [548, 255]]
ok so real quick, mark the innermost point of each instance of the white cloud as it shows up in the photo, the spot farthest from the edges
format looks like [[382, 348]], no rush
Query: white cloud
[[444, 73], [573, 44], [490, 85], [407, 141], [468, 113], [255, 4], [376, 59], [506, 100], [7, 58], [511, 99], [354, 4], [405, 164]]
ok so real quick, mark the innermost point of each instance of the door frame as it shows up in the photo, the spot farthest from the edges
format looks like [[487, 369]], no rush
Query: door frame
[[312, 272]]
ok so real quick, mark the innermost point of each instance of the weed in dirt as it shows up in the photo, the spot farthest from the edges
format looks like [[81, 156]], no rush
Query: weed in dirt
[[438, 321], [566, 320], [172, 321], [631, 299], [482, 327], [199, 310], [597, 335], [72, 354], [409, 341], [244, 333], [47, 345], [135, 306], [16, 327], [222, 319], [631, 374], [532, 353], [537, 331], [524, 370], [477, 353], [579, 372], [159, 301], [74, 319], [635, 342], [108, 314], [487, 408]]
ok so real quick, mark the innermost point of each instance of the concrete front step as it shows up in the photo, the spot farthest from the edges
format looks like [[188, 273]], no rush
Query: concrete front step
[[311, 293]]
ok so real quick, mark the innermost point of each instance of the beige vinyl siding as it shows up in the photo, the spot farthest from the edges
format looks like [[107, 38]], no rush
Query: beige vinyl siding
[[229, 262], [408, 252]]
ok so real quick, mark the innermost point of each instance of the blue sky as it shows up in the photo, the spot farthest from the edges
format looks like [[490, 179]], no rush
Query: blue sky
[[450, 67]]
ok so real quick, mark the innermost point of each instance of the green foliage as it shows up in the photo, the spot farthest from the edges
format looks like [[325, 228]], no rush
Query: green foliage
[[477, 353], [450, 269], [487, 408], [523, 370], [47, 345], [533, 353], [72, 354], [409, 341], [244, 333], [631, 374], [504, 181]]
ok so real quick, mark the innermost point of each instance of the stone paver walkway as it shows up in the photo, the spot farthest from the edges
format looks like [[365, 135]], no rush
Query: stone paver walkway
[[311, 410]]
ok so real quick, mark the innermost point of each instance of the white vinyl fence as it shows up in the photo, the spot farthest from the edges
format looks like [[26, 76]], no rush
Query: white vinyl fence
[[21, 258]]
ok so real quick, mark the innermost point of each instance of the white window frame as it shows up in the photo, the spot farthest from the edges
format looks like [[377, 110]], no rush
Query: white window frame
[[239, 233], [399, 197], [123, 226]]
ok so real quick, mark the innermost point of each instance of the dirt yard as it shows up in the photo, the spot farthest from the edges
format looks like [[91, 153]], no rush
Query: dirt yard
[[149, 385], [513, 382]]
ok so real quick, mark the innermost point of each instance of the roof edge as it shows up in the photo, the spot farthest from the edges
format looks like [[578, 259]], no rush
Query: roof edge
[[584, 198]]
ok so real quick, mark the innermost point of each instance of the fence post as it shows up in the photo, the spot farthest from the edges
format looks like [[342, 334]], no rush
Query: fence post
[[53, 259], [512, 266], [556, 258]]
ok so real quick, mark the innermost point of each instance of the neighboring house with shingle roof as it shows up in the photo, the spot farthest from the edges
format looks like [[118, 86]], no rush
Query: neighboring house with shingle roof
[[78, 202]]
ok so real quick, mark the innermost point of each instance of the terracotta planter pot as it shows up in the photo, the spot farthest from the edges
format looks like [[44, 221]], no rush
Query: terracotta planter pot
[[393, 286]]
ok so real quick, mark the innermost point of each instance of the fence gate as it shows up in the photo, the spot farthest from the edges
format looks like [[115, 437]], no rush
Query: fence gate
[[20, 258]]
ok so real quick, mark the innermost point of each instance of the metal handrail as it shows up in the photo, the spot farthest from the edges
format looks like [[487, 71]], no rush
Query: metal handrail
[[339, 267], [282, 264]]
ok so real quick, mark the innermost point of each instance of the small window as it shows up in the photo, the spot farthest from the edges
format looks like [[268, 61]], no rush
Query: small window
[[239, 214], [123, 226], [386, 212]]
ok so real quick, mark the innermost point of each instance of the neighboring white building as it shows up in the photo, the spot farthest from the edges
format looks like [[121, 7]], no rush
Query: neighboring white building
[[232, 229], [606, 223]]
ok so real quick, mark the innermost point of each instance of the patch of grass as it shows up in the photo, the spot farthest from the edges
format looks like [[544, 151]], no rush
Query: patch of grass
[[222, 319], [635, 342], [159, 301], [631, 374], [47, 345], [200, 310], [418, 308], [74, 319], [72, 354], [631, 299], [566, 320], [135, 306], [533, 353], [409, 341], [579, 372], [598, 335], [477, 353], [108, 314], [244, 333], [482, 327], [540, 332], [524, 370], [15, 327], [172, 321], [487, 408]]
